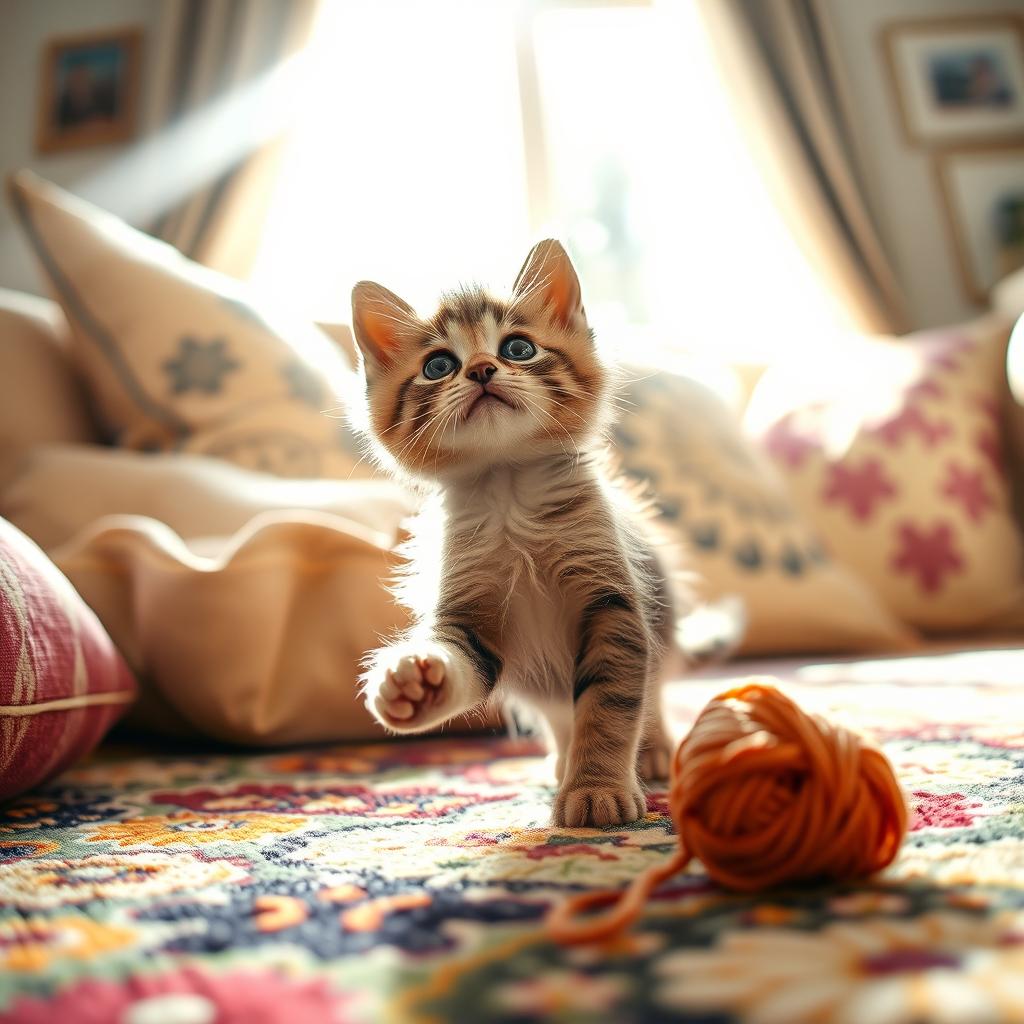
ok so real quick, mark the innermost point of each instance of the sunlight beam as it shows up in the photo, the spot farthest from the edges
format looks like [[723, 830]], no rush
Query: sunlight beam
[[162, 170]]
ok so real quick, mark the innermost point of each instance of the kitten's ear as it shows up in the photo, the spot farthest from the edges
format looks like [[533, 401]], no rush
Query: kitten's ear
[[549, 280], [381, 322]]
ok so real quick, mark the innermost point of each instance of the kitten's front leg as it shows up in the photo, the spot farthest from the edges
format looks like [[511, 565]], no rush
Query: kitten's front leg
[[417, 684], [600, 785]]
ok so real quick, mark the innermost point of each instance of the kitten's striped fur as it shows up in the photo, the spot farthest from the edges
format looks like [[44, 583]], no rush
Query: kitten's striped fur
[[531, 577]]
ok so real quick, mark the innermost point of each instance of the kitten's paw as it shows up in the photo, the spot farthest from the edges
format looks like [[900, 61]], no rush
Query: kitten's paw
[[598, 805], [654, 763], [412, 693]]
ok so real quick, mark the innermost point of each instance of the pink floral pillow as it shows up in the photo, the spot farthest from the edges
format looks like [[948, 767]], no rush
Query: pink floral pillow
[[63, 684], [893, 449]]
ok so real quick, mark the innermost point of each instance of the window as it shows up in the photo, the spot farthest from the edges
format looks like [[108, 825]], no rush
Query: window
[[437, 141]]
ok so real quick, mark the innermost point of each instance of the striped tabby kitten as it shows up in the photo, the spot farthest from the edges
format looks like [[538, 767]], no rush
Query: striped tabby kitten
[[530, 580]]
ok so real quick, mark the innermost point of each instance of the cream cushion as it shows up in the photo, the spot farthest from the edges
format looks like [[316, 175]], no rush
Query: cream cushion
[[179, 358], [722, 500], [257, 640], [195, 496], [42, 399]]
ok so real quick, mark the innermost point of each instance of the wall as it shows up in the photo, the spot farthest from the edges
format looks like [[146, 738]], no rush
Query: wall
[[901, 181], [25, 27]]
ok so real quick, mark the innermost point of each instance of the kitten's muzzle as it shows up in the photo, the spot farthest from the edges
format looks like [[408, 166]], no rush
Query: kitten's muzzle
[[485, 393]]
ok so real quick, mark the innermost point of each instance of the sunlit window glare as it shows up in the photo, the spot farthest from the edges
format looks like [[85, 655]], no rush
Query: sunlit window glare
[[408, 165]]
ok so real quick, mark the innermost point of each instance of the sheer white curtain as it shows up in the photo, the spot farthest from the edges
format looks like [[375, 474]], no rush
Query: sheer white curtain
[[437, 140]]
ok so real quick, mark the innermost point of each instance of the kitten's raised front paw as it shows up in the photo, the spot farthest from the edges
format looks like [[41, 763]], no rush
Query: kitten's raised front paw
[[598, 805], [410, 695]]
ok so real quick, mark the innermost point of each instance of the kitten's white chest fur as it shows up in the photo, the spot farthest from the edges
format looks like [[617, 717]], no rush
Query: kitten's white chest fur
[[498, 534]]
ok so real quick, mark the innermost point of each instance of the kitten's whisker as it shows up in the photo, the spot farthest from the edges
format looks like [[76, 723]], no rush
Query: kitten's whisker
[[402, 423], [362, 458], [523, 392], [436, 415], [614, 388], [433, 414], [449, 410], [539, 408], [617, 400], [448, 419], [631, 378], [430, 413]]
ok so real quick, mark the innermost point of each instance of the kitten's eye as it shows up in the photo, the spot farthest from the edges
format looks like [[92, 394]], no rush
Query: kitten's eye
[[517, 348], [440, 365]]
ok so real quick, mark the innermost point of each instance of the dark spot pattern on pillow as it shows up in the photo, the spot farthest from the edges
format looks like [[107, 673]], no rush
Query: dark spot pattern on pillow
[[200, 366], [748, 555], [707, 481], [705, 535], [270, 451], [791, 560]]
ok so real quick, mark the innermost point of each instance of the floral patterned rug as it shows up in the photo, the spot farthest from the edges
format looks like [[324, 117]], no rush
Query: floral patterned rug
[[406, 882]]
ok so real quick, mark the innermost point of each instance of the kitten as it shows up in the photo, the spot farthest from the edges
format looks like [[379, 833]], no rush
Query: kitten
[[542, 586]]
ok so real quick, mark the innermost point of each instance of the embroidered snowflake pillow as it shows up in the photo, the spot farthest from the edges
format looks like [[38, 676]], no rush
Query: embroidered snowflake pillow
[[175, 356], [893, 450], [723, 501]]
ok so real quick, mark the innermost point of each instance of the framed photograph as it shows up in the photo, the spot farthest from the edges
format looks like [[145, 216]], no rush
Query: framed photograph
[[958, 80], [88, 94], [983, 195]]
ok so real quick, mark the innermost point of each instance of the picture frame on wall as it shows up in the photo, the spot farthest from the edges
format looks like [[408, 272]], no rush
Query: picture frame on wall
[[958, 81], [983, 197], [89, 90]]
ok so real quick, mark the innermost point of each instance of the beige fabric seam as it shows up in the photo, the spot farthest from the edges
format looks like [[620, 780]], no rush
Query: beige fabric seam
[[84, 700]]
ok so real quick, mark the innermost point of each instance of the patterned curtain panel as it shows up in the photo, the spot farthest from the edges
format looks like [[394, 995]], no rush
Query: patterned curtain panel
[[777, 60]]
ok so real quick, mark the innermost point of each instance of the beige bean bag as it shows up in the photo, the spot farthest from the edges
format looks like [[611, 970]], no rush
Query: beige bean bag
[[258, 639], [245, 602], [62, 489]]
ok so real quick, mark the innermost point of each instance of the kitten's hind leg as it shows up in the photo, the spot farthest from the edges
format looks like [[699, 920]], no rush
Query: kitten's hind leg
[[412, 686], [654, 760]]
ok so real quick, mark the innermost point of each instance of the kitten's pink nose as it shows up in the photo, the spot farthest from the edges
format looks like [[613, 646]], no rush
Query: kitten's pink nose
[[481, 370]]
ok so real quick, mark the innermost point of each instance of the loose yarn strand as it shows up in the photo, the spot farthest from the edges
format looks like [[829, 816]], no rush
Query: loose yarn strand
[[563, 927], [762, 794]]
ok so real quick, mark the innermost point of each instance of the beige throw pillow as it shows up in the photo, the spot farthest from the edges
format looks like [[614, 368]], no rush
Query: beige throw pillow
[[723, 501], [42, 399], [177, 357]]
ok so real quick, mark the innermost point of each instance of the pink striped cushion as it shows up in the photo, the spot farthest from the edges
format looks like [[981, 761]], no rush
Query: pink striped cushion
[[62, 681]]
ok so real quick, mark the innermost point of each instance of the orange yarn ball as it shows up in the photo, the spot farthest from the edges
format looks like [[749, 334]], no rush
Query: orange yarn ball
[[763, 793]]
